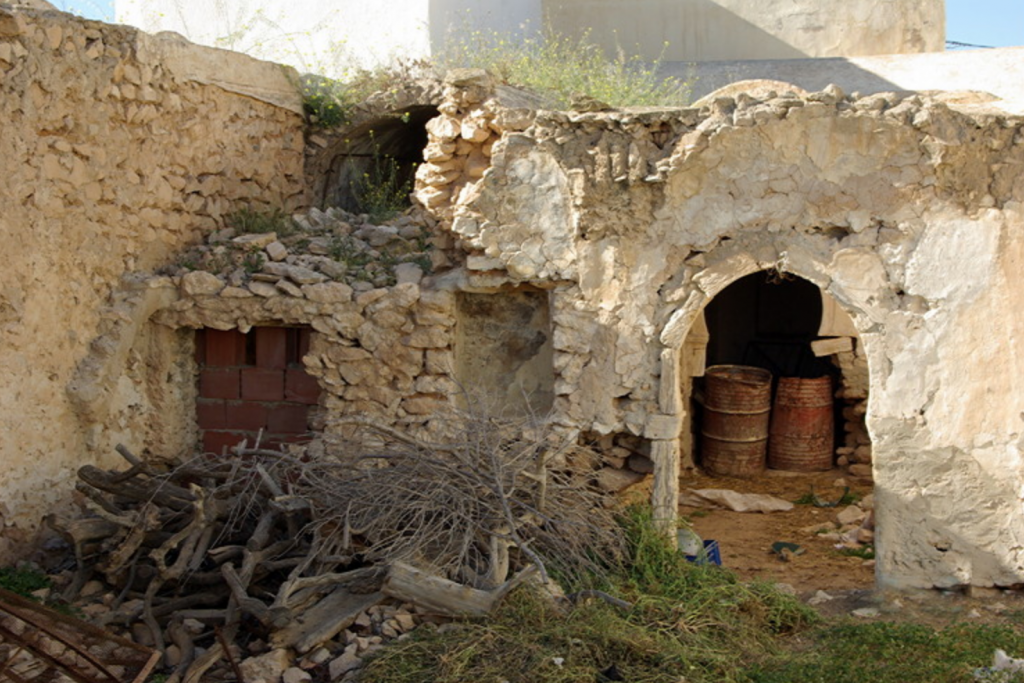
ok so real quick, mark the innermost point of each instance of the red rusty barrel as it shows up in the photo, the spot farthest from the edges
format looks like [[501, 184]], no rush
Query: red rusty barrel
[[801, 434], [737, 402]]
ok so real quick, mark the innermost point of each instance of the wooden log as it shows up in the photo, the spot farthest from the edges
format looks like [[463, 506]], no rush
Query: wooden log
[[162, 493], [81, 531], [146, 519], [409, 584], [246, 602], [180, 636], [331, 580], [184, 602], [261, 535], [318, 624], [290, 504]]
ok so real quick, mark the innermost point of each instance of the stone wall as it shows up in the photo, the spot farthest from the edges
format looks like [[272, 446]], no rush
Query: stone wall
[[907, 211], [370, 335], [606, 232], [116, 150], [383, 353]]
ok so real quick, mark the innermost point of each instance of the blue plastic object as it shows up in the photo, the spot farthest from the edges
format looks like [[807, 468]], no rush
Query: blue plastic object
[[710, 555]]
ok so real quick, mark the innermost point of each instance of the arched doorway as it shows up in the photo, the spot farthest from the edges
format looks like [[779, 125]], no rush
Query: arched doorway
[[793, 329]]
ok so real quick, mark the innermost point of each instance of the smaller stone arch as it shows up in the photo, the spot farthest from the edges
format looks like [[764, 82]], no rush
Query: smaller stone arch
[[399, 135], [397, 120]]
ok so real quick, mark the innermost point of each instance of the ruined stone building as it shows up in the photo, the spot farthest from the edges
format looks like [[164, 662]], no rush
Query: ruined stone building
[[591, 263]]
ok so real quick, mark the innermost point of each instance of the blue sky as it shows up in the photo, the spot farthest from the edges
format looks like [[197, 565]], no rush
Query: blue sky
[[997, 23]]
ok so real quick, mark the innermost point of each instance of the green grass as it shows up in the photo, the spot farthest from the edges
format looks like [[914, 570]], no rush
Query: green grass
[[559, 66], [866, 552], [848, 498], [343, 249], [330, 102], [882, 652], [380, 191], [23, 581], [696, 622], [324, 102]]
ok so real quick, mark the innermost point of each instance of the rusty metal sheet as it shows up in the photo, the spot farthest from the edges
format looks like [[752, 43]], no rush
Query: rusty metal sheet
[[38, 644]]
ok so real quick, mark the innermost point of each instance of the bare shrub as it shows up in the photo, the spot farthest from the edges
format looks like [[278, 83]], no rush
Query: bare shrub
[[495, 495]]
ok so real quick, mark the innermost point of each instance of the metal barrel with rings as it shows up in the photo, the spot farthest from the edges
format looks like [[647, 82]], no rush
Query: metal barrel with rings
[[737, 405]]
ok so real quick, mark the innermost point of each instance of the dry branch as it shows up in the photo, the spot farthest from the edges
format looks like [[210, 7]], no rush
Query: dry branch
[[490, 501], [294, 548]]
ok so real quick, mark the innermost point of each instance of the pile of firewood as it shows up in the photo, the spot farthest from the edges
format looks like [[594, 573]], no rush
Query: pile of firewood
[[288, 548]]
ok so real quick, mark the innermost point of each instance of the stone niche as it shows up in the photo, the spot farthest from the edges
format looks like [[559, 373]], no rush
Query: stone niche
[[503, 349]]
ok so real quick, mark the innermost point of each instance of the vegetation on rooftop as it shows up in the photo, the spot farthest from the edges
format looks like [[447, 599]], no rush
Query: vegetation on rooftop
[[565, 68]]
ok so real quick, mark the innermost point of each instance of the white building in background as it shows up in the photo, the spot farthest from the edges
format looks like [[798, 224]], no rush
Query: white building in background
[[326, 35]]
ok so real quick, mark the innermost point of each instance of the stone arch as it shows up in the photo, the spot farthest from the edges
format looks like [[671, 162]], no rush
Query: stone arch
[[776, 255], [738, 259]]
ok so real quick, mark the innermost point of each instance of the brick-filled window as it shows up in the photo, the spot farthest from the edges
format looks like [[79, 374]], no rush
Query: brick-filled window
[[252, 382]]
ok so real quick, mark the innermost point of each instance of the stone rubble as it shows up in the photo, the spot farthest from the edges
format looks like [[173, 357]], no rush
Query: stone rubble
[[339, 658], [382, 348], [314, 247]]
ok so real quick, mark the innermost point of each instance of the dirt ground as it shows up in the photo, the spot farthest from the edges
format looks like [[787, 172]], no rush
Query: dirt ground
[[745, 541], [745, 538]]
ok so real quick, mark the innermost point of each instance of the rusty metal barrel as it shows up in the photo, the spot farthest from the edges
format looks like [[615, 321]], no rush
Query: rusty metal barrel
[[737, 403], [801, 436]]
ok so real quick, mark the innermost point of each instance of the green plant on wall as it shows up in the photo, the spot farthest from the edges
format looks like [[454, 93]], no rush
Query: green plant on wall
[[253, 261], [324, 101], [330, 102], [381, 191]]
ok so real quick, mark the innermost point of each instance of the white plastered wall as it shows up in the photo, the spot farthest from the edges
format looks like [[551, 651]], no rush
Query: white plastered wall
[[332, 37]]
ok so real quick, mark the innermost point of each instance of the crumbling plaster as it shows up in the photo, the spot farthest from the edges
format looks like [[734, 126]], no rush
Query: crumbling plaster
[[903, 209]]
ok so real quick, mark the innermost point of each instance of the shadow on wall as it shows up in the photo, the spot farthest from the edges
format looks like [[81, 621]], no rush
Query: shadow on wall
[[936, 553], [693, 30]]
